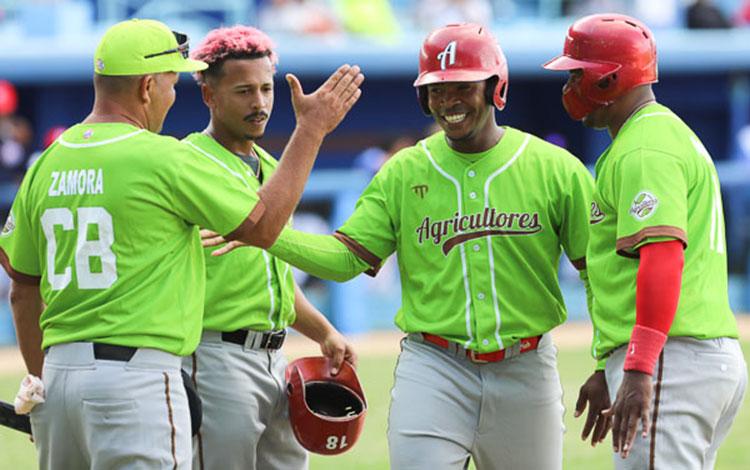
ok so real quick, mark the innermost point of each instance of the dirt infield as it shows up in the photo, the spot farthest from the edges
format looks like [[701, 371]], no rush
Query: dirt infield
[[568, 336]]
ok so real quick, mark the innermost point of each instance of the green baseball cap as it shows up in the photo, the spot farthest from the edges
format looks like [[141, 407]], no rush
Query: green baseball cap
[[140, 47]]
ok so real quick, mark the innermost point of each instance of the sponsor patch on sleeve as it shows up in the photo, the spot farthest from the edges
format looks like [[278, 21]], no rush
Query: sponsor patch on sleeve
[[10, 225], [644, 205]]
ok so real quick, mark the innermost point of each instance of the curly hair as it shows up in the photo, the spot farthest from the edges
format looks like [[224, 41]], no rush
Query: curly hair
[[237, 42]]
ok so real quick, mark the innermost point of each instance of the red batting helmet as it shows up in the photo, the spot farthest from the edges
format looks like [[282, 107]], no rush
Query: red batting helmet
[[8, 98], [327, 412], [465, 52], [615, 52]]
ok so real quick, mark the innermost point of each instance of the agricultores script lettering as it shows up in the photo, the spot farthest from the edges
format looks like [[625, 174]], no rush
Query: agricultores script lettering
[[596, 214], [461, 228]]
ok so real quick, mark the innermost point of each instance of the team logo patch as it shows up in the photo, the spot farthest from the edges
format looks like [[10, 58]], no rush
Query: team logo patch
[[644, 205], [449, 53], [99, 64], [596, 214], [10, 225], [420, 190]]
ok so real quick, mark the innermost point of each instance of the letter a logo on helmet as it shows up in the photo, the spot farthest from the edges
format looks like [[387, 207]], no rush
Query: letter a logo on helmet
[[450, 52], [327, 412], [480, 58], [615, 54]]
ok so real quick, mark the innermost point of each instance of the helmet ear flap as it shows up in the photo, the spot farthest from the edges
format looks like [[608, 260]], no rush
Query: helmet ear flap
[[489, 90], [422, 98]]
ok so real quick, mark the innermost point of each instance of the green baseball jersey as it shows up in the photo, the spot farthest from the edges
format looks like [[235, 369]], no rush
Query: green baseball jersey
[[478, 237], [106, 221], [246, 288], [657, 182]]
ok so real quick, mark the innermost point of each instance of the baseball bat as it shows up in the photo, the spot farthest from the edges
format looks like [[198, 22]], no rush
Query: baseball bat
[[9, 418]]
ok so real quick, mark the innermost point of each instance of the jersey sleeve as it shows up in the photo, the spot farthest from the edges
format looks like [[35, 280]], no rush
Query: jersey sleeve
[[369, 232], [651, 191], [18, 251], [210, 194], [576, 211]]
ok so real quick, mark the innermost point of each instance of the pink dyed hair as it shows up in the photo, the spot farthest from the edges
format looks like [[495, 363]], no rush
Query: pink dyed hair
[[237, 42]]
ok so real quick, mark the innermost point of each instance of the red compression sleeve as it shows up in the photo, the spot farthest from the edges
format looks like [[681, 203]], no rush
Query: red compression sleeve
[[657, 294]]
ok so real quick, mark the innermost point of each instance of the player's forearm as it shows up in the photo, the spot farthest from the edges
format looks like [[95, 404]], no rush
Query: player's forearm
[[27, 306], [322, 256], [657, 295], [283, 189], [309, 321]]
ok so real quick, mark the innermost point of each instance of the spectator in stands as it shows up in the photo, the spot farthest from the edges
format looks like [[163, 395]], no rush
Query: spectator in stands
[[703, 14], [15, 136], [434, 13], [372, 158], [302, 17], [742, 17], [580, 8]]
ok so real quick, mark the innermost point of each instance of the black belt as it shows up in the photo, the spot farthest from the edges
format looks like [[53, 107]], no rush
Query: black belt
[[270, 339], [113, 352]]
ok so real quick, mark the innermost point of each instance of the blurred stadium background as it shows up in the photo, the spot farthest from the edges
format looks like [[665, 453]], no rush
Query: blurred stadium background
[[46, 50]]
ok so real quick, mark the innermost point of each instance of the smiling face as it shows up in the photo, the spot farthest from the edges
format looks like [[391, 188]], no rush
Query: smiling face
[[241, 98], [462, 111]]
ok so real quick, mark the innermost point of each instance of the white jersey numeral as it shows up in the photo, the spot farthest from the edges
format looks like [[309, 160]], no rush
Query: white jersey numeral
[[334, 442], [85, 248]]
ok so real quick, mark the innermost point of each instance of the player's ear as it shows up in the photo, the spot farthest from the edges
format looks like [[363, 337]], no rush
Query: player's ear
[[207, 92], [145, 85]]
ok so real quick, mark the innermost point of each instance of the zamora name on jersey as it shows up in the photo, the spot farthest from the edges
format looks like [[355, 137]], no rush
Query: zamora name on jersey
[[72, 182], [462, 227]]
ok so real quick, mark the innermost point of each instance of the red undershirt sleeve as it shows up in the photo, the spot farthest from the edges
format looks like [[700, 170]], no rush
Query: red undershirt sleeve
[[657, 295]]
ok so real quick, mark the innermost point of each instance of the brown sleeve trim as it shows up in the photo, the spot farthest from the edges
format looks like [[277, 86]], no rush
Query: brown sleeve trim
[[625, 245], [361, 252], [15, 275], [249, 222], [579, 264]]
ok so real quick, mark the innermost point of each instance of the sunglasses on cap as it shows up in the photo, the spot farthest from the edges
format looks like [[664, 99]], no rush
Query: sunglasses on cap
[[182, 47]]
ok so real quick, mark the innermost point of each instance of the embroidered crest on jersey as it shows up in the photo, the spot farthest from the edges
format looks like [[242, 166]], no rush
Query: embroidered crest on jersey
[[596, 214], [88, 133], [461, 228], [420, 190], [644, 205], [10, 225], [448, 53]]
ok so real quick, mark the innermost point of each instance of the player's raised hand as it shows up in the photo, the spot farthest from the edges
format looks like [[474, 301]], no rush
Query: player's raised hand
[[632, 404], [326, 107], [595, 393]]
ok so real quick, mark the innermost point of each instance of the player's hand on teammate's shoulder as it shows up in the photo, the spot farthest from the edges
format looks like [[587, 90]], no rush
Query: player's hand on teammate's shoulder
[[211, 238], [322, 110], [632, 404], [594, 393], [338, 348]]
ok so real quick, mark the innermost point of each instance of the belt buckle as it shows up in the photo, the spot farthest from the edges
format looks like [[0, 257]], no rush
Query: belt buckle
[[473, 357], [274, 340]]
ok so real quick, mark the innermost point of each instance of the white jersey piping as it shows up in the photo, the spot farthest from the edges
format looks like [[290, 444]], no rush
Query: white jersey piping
[[461, 246], [498, 321], [219, 162], [97, 144]]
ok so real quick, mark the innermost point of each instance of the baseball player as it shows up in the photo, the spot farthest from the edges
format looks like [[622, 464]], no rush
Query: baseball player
[[251, 297], [103, 248], [479, 215], [664, 335]]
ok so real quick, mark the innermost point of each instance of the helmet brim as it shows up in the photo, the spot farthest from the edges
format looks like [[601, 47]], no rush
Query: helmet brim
[[442, 76], [567, 63]]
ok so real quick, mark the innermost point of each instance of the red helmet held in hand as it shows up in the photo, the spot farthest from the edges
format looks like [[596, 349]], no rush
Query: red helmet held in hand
[[327, 411], [615, 52], [465, 52]]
